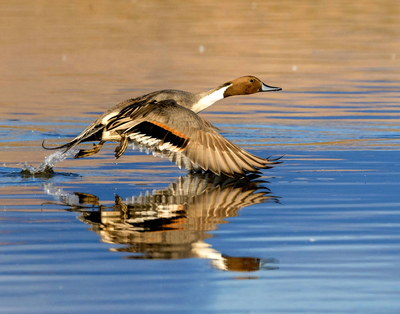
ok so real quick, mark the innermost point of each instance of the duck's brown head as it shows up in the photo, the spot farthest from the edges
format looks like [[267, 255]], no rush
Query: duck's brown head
[[246, 85]]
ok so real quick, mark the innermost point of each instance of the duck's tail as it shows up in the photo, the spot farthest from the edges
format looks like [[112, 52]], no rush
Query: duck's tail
[[91, 133]]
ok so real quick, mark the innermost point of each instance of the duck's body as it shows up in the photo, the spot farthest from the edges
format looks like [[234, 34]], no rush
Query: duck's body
[[167, 123]]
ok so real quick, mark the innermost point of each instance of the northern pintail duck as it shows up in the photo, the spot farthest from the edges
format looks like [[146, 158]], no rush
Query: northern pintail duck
[[167, 123]]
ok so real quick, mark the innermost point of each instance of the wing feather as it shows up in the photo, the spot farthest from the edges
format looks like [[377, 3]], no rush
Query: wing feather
[[184, 137]]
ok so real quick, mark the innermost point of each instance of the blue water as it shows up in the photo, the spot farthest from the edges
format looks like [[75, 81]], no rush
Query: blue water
[[324, 238], [318, 233]]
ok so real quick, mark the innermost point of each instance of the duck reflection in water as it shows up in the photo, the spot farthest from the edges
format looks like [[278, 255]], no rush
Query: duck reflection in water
[[173, 223]]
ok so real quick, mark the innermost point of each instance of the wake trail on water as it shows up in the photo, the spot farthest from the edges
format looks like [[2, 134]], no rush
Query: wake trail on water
[[46, 167]]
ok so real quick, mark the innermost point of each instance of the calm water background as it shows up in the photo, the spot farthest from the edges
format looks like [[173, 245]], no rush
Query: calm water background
[[316, 234]]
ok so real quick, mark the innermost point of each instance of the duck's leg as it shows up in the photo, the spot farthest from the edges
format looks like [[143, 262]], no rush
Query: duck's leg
[[84, 153], [122, 146]]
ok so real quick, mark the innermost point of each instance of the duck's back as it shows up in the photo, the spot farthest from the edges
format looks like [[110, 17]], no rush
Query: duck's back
[[182, 98]]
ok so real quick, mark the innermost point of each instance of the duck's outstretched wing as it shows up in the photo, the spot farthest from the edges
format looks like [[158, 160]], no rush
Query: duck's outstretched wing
[[183, 136], [94, 132]]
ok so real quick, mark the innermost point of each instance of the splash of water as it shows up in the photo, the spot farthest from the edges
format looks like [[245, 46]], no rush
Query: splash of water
[[46, 167]]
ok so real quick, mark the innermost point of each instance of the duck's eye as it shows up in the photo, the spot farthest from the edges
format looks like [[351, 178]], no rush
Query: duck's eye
[[251, 81]]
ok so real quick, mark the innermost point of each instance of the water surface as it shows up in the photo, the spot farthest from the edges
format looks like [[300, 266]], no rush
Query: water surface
[[318, 233]]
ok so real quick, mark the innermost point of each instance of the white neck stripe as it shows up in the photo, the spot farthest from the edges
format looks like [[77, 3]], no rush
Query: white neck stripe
[[210, 99]]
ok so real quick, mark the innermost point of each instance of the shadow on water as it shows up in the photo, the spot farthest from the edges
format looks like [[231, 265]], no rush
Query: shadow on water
[[170, 223], [173, 223]]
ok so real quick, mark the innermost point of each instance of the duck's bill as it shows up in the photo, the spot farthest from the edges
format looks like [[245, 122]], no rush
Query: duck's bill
[[266, 88]]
